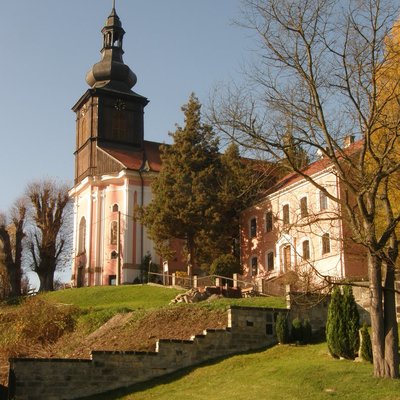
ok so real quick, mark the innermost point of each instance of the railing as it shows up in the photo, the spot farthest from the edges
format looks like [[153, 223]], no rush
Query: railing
[[258, 285]]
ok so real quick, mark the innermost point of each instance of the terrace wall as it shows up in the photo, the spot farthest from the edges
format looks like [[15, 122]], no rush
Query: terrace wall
[[61, 379]]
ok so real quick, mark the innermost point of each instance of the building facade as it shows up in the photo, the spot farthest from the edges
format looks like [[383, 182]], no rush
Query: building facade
[[297, 227], [114, 168]]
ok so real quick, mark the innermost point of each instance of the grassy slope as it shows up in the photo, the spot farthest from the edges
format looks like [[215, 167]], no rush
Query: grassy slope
[[279, 373]]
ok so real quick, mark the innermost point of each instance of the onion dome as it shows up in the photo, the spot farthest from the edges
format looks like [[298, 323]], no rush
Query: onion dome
[[111, 72]]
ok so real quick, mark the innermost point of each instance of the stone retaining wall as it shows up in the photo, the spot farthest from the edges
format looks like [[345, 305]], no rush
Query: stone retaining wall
[[61, 379]]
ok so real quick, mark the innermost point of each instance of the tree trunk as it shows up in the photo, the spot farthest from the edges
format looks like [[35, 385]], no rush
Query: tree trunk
[[383, 321], [46, 279], [377, 320], [391, 329], [14, 277]]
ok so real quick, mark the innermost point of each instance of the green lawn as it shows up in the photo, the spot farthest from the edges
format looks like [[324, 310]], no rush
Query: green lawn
[[144, 297], [279, 373], [101, 297]]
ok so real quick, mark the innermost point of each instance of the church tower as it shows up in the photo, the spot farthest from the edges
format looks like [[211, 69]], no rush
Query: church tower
[[109, 114], [114, 168]]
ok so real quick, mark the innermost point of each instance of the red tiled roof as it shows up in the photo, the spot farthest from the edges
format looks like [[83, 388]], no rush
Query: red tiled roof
[[136, 159], [312, 168]]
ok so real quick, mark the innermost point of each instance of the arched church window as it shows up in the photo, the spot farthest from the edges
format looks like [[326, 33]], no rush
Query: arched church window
[[114, 232], [115, 208], [82, 236]]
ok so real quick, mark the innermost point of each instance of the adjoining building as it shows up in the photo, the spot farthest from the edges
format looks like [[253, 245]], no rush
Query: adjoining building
[[298, 228], [114, 168]]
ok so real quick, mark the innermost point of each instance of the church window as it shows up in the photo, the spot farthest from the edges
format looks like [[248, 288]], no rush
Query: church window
[[82, 236], [119, 125], [114, 232], [115, 208], [114, 255]]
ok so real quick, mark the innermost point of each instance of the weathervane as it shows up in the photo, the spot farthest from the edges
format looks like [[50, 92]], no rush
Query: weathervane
[[113, 4]]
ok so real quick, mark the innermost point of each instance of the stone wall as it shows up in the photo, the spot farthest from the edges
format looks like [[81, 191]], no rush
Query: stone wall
[[61, 379]]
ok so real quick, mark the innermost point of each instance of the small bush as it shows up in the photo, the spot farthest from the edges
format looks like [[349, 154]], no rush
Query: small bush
[[366, 346], [42, 321], [307, 331], [297, 330], [282, 329]]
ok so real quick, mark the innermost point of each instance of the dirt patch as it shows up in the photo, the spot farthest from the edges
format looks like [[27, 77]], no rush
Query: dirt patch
[[131, 331], [137, 331]]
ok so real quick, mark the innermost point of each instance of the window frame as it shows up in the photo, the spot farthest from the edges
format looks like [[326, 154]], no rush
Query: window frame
[[323, 201], [304, 247], [254, 266], [304, 207], [286, 215], [269, 221], [268, 254], [253, 228], [325, 244]]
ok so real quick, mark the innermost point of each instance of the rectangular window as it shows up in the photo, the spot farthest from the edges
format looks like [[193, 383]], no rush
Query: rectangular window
[[254, 266], [285, 214], [270, 261], [268, 221], [303, 207], [306, 250], [323, 201], [253, 227], [286, 258], [326, 243]]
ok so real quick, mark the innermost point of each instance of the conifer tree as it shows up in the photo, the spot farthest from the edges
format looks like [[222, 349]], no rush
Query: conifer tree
[[352, 320], [334, 328], [185, 201]]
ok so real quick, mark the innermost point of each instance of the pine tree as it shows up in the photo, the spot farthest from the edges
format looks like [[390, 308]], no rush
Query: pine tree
[[334, 337], [282, 329], [352, 318], [366, 346], [185, 200]]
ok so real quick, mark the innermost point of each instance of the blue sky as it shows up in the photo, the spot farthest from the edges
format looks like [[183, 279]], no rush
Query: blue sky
[[174, 47]]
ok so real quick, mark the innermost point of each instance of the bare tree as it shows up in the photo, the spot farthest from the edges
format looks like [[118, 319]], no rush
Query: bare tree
[[324, 66], [11, 236], [47, 240]]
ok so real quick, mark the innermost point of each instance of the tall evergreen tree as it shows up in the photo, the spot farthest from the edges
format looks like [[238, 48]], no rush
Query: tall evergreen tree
[[352, 322], [185, 202], [334, 324]]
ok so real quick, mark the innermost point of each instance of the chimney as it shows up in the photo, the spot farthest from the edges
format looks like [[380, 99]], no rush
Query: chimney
[[348, 140]]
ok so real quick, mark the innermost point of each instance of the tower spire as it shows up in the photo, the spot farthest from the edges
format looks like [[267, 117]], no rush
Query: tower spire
[[111, 71]]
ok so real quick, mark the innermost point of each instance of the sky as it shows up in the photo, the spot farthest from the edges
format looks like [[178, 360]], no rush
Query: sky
[[175, 47]]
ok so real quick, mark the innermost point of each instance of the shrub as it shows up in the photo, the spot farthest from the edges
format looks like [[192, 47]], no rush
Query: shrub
[[307, 331], [42, 321], [297, 330], [366, 346], [225, 265], [352, 319], [343, 324], [334, 323], [282, 329]]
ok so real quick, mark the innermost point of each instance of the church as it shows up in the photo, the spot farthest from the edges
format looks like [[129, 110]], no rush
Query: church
[[114, 168]]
